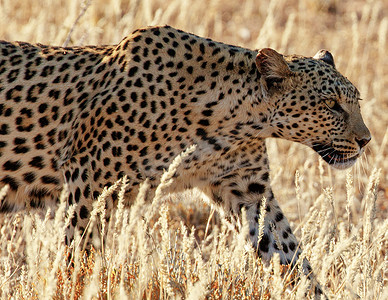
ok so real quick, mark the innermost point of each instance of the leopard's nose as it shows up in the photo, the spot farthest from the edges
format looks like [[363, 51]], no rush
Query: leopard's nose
[[363, 141], [362, 134]]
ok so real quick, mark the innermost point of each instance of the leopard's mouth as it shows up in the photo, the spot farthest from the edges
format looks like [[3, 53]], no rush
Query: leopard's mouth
[[334, 158]]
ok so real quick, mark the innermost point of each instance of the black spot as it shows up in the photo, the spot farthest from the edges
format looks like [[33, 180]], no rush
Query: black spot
[[279, 216], [143, 152], [201, 132], [199, 79], [83, 213], [43, 122], [20, 149], [292, 246], [77, 195], [84, 175], [117, 166], [29, 177], [84, 160], [275, 246], [207, 112], [106, 162], [138, 83], [229, 67], [265, 176], [75, 174], [39, 193], [11, 165], [133, 166], [87, 191], [49, 179], [236, 193], [216, 51], [4, 129], [74, 220], [257, 188], [137, 38], [70, 199], [171, 52], [204, 122], [132, 71], [106, 146], [37, 162], [264, 243], [97, 175], [142, 137], [29, 74], [101, 68]]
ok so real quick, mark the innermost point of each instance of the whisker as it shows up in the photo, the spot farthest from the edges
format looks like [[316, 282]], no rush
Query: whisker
[[333, 157], [359, 179]]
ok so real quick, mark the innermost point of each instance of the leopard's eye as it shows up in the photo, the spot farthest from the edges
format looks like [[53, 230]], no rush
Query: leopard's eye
[[330, 103], [333, 105]]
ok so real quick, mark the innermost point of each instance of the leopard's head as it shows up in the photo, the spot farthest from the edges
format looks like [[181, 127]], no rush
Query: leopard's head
[[312, 103]]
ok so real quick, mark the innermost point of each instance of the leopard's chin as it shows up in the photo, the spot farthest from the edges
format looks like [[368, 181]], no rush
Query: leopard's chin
[[334, 158]]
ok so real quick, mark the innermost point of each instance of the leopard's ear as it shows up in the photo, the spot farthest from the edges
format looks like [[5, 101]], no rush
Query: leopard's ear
[[272, 64], [325, 56], [272, 67]]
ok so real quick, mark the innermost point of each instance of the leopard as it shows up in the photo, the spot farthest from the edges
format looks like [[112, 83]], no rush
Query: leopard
[[87, 116]]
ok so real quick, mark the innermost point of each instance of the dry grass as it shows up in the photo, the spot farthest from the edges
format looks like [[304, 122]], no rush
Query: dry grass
[[185, 251]]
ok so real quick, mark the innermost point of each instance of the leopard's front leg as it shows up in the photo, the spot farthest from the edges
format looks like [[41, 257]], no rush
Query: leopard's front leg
[[248, 187]]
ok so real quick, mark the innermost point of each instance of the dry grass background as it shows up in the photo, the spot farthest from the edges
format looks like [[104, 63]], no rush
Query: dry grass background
[[186, 251]]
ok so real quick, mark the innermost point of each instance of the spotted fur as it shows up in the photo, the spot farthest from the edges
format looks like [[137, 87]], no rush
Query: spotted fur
[[87, 116]]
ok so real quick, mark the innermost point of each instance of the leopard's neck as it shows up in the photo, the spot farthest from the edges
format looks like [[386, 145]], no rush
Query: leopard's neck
[[215, 83]]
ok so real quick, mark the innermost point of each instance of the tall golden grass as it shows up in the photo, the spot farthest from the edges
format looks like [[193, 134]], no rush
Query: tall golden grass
[[185, 250]]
